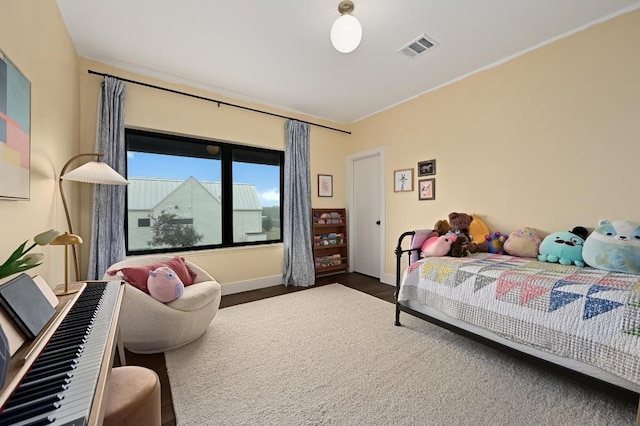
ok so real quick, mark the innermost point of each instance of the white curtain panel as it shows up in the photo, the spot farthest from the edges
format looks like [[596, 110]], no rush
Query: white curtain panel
[[298, 254]]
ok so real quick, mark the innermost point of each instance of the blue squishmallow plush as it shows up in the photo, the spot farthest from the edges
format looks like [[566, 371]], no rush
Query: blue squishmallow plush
[[564, 247], [614, 246]]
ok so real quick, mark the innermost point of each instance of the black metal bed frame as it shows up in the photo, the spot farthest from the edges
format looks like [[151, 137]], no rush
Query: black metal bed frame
[[601, 384], [399, 251]]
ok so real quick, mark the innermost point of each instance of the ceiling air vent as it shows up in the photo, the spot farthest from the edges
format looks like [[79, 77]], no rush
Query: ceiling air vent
[[418, 46]]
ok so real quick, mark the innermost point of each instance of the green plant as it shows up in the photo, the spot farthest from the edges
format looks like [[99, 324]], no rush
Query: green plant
[[20, 261], [167, 230]]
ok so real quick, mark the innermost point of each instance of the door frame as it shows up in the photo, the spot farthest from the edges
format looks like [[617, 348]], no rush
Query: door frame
[[380, 152]]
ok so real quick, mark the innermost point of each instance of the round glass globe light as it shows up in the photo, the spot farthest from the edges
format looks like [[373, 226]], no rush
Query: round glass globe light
[[346, 33]]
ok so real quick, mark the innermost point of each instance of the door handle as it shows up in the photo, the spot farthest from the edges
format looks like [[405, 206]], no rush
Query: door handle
[[377, 222]]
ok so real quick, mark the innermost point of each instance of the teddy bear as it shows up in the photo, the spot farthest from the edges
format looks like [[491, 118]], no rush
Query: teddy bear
[[460, 223], [459, 246], [442, 227]]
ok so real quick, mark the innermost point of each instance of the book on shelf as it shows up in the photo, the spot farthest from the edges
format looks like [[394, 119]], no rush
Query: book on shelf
[[328, 218], [329, 239], [336, 218], [331, 260]]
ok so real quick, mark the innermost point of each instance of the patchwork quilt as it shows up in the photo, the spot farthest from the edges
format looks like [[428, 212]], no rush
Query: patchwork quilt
[[586, 314]]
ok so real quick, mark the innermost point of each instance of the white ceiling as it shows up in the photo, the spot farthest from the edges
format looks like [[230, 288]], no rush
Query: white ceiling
[[278, 53]]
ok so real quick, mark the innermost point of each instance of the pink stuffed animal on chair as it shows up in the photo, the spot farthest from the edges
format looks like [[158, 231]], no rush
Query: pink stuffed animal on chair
[[164, 284], [438, 246]]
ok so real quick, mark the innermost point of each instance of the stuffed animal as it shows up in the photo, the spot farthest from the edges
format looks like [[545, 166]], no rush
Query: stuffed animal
[[442, 227], [438, 245], [460, 223], [459, 246], [564, 247], [164, 284], [523, 242], [614, 246], [477, 229], [495, 242]]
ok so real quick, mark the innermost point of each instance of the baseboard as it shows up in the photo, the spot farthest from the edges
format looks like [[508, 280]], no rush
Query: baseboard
[[388, 279], [240, 286], [264, 282]]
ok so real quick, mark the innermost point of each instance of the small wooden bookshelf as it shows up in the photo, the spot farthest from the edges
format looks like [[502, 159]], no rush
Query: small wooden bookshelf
[[330, 241]]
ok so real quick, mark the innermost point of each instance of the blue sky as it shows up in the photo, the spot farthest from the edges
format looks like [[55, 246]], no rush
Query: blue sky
[[265, 178]]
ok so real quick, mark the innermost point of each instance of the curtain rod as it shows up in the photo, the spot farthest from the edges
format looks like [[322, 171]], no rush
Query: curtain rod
[[216, 101]]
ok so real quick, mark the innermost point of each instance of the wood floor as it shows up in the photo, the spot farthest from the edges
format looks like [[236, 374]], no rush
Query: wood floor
[[156, 362]]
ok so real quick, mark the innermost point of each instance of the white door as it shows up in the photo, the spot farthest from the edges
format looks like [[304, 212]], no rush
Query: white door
[[366, 226]]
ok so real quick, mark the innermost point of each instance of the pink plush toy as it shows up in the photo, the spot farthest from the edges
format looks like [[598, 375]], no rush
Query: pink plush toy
[[164, 284], [438, 246]]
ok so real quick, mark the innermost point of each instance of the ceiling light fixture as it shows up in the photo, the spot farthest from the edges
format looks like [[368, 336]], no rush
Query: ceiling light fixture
[[346, 31]]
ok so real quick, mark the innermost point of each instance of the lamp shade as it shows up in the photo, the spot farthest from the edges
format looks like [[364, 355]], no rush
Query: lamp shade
[[66, 239], [346, 33], [95, 172]]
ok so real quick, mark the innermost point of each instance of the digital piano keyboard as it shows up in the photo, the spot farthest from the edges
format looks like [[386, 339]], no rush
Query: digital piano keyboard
[[60, 378]]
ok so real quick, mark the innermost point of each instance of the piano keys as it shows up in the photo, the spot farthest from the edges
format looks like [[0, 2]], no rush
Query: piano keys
[[64, 384]]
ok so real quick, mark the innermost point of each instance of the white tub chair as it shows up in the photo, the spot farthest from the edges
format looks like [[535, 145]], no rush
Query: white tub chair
[[149, 326]]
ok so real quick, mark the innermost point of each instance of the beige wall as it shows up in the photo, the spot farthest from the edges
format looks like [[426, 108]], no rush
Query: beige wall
[[153, 109], [33, 36], [550, 139], [64, 108]]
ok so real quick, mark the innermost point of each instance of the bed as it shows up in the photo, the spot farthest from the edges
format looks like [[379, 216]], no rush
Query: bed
[[583, 319]]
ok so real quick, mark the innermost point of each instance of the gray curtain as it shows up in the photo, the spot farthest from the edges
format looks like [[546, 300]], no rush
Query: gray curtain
[[107, 234], [298, 253]]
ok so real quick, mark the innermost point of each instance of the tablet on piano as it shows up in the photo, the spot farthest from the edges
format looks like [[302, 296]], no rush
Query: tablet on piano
[[25, 303]]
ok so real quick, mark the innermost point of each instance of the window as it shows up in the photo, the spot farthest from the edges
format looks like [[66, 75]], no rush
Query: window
[[186, 193], [182, 221]]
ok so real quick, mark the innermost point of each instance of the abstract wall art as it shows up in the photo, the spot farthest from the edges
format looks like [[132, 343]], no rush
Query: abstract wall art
[[15, 131]]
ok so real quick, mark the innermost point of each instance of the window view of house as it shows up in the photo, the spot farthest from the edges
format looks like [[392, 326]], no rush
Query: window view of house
[[185, 193]]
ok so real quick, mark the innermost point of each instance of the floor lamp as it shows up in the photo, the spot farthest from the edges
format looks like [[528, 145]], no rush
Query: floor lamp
[[95, 172]]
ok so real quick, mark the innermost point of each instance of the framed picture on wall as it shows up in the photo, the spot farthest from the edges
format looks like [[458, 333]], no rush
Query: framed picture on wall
[[427, 189], [325, 186], [427, 168], [403, 180], [15, 131]]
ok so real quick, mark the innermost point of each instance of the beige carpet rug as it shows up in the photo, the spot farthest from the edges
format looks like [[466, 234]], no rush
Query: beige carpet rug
[[331, 356]]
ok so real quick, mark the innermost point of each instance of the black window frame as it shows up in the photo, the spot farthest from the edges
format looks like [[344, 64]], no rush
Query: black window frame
[[227, 150]]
